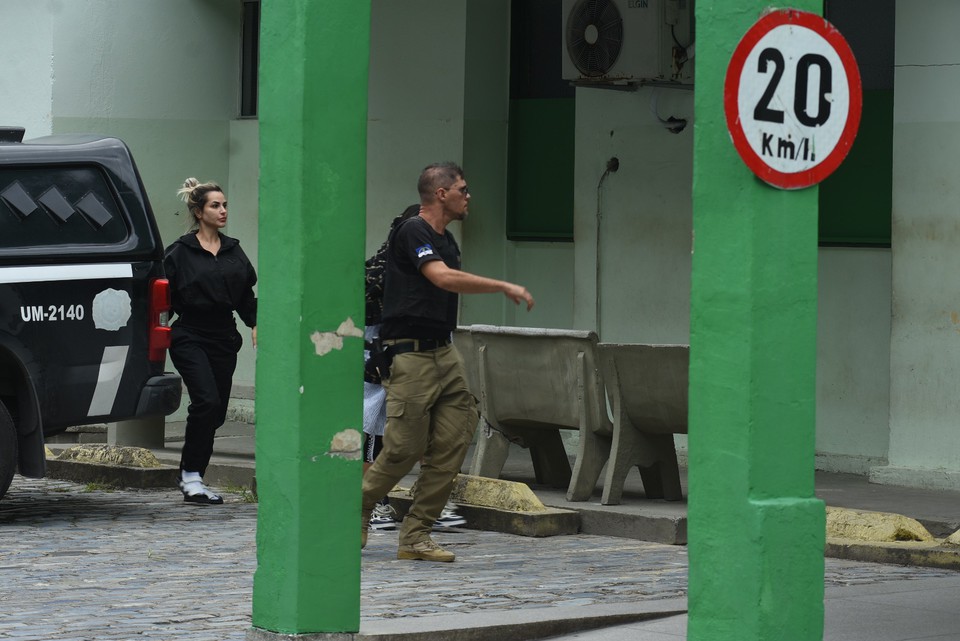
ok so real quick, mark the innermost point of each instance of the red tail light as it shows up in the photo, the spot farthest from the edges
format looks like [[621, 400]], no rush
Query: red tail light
[[159, 337]]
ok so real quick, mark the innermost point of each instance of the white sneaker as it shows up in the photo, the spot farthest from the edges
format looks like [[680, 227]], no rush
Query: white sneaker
[[194, 491], [382, 517], [449, 517]]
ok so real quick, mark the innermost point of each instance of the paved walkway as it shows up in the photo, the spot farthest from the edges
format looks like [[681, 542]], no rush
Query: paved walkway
[[79, 563]]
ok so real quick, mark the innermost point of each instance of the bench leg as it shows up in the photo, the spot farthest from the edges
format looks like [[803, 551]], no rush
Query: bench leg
[[490, 456], [624, 452], [654, 455], [593, 454], [550, 463], [666, 468], [659, 470]]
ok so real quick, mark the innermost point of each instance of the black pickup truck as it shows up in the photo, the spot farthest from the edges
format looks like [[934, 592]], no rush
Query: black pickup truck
[[83, 299]]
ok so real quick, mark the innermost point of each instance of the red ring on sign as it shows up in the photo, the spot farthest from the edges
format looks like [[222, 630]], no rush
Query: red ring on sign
[[731, 86]]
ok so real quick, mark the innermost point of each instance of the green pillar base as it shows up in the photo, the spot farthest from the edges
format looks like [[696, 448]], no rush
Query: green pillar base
[[768, 577], [258, 634]]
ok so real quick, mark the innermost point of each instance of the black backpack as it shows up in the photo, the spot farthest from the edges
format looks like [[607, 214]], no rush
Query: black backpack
[[376, 266]]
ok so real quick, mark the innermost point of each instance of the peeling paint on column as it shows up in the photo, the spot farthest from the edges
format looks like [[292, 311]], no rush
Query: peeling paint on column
[[326, 342], [345, 445]]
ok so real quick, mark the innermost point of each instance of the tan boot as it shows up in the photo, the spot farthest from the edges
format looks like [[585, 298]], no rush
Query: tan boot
[[425, 550], [364, 527]]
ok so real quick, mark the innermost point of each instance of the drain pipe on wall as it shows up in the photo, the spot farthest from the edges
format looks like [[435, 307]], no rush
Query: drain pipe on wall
[[612, 166]]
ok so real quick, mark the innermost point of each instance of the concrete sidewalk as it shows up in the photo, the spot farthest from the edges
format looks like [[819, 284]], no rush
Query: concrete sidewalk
[[636, 517], [510, 587], [906, 610]]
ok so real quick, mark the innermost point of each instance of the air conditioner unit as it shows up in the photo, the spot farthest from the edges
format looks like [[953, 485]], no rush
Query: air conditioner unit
[[616, 42]]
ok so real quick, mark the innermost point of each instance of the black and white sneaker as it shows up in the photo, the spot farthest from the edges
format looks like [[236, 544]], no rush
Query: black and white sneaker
[[449, 518], [382, 517], [194, 491]]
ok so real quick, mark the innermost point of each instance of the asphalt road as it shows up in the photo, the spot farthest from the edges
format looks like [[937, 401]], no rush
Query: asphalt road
[[79, 562]]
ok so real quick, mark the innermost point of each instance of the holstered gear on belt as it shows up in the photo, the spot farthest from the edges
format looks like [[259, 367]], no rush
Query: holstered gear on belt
[[377, 367]]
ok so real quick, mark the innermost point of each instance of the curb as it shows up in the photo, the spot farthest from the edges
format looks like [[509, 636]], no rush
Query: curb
[[885, 537], [497, 505], [143, 478], [116, 475], [655, 529], [929, 554], [548, 522], [526, 624]]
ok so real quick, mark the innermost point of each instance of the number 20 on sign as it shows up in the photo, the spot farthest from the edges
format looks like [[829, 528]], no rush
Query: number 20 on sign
[[792, 98]]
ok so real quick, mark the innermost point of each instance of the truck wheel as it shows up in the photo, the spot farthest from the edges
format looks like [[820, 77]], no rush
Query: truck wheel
[[8, 449]]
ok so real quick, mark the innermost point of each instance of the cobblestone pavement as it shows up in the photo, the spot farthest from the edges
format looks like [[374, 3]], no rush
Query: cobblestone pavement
[[80, 563]]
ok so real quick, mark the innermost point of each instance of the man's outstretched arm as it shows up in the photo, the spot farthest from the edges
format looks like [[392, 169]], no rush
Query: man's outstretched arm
[[461, 282]]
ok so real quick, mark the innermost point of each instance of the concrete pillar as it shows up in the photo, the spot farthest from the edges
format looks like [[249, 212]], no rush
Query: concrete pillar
[[147, 431], [925, 332], [313, 107], [756, 531], [486, 102]]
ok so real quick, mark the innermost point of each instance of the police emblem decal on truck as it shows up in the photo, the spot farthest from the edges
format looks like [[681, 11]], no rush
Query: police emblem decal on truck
[[111, 309]]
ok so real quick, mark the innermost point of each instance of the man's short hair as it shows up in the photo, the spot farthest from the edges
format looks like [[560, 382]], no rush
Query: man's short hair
[[436, 176]]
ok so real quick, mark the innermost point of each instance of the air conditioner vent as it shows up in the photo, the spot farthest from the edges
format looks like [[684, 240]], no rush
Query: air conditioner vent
[[594, 36], [628, 42]]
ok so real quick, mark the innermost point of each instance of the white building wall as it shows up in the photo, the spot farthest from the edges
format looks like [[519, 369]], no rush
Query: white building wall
[[163, 75], [645, 213], [26, 83], [925, 341], [243, 192], [853, 358], [446, 98], [486, 94], [415, 112], [147, 60]]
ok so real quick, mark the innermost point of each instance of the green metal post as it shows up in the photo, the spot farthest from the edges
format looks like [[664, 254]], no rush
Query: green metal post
[[756, 531], [312, 113]]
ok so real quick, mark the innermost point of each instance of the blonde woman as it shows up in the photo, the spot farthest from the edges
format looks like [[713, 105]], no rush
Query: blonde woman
[[210, 279]]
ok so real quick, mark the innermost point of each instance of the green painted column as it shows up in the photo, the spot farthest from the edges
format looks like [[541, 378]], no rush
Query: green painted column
[[756, 531], [313, 106]]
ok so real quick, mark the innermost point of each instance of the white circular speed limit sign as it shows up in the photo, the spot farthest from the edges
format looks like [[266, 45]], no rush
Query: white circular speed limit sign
[[792, 98]]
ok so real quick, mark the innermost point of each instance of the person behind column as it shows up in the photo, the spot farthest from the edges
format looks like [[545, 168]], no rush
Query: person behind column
[[431, 414], [210, 279], [374, 396]]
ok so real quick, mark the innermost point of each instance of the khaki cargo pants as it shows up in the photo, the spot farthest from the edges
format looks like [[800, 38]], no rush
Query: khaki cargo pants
[[430, 415]]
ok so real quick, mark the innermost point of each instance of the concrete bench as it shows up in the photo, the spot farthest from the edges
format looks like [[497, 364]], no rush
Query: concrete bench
[[532, 383], [463, 341], [647, 387]]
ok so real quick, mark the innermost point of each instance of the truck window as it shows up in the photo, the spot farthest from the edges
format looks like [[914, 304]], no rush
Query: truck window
[[60, 205]]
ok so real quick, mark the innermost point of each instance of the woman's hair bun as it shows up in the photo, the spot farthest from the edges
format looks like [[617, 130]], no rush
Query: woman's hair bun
[[188, 185]]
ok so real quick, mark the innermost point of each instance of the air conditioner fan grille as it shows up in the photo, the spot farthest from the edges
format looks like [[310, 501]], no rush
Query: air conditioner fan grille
[[594, 36]]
